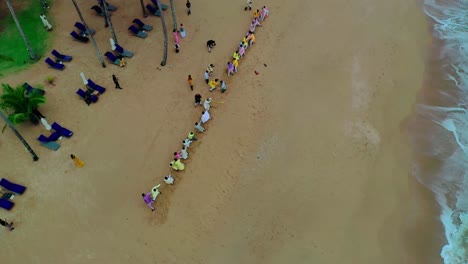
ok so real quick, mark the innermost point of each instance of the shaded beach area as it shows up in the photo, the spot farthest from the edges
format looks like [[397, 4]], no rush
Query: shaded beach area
[[306, 158]]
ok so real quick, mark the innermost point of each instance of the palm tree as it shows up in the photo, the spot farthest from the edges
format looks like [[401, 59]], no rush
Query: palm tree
[[32, 55], [91, 36], [163, 22], [31, 151], [20, 105], [174, 20], [108, 20]]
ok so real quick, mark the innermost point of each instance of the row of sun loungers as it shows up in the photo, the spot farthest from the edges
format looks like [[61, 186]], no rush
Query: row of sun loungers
[[12, 187]]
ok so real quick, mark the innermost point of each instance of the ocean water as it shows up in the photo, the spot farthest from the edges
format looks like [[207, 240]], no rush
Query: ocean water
[[439, 131]]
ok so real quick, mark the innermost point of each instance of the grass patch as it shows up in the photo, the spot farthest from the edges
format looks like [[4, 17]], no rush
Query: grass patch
[[13, 53]]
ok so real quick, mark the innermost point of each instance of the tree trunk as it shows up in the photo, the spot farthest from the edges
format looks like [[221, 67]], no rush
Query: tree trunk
[[163, 21], [174, 19], [91, 36], [109, 21], [31, 151], [143, 8], [32, 55]]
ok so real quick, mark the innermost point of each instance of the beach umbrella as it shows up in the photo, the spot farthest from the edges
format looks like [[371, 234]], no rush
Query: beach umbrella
[[112, 43]]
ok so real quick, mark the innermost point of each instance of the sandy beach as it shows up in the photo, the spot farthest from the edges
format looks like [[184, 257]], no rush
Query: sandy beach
[[306, 162]]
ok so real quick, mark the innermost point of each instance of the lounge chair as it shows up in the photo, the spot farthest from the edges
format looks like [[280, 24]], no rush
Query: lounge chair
[[82, 94], [122, 51], [142, 25], [65, 132], [98, 10], [43, 138], [6, 204], [53, 137], [83, 30], [138, 33], [153, 10], [61, 57], [91, 85], [55, 65], [52, 145], [109, 6], [163, 6], [13, 187], [112, 58], [30, 89], [79, 37]]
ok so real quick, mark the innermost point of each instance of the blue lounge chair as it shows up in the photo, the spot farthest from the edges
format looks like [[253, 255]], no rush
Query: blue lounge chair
[[96, 87], [30, 89], [55, 65], [83, 30], [65, 132], [98, 10], [13, 187], [50, 145], [109, 6], [43, 138], [163, 6], [78, 37], [61, 57], [82, 94], [138, 33], [142, 25], [122, 51], [153, 10], [112, 58], [6, 204]]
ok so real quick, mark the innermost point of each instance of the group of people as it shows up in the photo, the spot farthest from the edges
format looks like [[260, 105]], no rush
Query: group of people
[[176, 164]]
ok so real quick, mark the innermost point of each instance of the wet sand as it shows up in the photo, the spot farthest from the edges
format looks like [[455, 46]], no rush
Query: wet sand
[[306, 161]]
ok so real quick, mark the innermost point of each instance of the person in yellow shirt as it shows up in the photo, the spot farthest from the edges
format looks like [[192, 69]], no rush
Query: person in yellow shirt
[[256, 14], [235, 56], [235, 63], [251, 39], [79, 163], [178, 165], [213, 84]]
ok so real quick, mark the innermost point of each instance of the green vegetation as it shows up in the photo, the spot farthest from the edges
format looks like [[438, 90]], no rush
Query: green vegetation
[[13, 53], [20, 105]]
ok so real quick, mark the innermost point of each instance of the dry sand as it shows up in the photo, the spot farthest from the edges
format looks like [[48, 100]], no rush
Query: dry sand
[[303, 163]]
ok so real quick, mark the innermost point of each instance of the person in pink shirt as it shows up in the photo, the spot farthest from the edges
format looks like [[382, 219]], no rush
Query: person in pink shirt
[[176, 36], [241, 50], [264, 13], [148, 200], [177, 155], [230, 69]]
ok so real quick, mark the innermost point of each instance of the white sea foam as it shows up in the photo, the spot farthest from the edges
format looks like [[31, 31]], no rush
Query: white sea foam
[[446, 136]]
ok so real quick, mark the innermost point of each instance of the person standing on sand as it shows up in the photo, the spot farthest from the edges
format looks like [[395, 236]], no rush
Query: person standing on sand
[[7, 225], [197, 100], [149, 202], [235, 63], [210, 69], [188, 5], [190, 81], [223, 86], [178, 165], [235, 55], [176, 36], [169, 179], [177, 155], [45, 22], [251, 38], [184, 153], [264, 13], [207, 76], [230, 69], [248, 5], [207, 104], [187, 142], [205, 117], [177, 47], [213, 84], [79, 163], [155, 192], [199, 127], [116, 82], [191, 136], [241, 50], [210, 44]]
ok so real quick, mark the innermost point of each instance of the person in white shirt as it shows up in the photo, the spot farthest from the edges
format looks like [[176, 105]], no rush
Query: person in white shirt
[[45, 22], [207, 104], [169, 179], [199, 127], [155, 192], [184, 153], [187, 142], [205, 117]]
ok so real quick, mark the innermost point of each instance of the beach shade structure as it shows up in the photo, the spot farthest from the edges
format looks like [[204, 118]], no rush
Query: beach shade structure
[[142, 25], [13, 187], [61, 57], [122, 51], [6, 204], [84, 94], [55, 65], [112, 43], [91, 85], [136, 32], [63, 131], [153, 10], [112, 58], [83, 30], [30, 89], [98, 10], [78, 37], [83, 78], [50, 145], [110, 7], [163, 6]]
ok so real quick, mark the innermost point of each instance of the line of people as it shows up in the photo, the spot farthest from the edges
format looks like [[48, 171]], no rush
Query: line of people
[[176, 164]]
